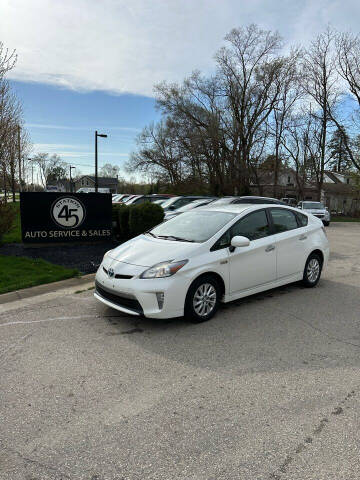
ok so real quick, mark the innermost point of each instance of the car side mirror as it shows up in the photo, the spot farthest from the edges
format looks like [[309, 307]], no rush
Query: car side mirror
[[171, 207], [239, 241]]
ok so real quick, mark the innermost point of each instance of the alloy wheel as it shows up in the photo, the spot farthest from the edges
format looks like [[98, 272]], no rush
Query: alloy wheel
[[204, 299], [313, 270]]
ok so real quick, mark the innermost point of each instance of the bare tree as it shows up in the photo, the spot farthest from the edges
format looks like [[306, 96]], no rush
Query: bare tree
[[348, 67], [321, 85], [291, 92], [7, 60], [109, 170], [251, 68], [50, 168]]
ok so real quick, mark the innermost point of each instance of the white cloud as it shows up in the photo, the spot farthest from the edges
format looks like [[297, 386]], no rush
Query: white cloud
[[127, 46], [72, 151], [69, 127]]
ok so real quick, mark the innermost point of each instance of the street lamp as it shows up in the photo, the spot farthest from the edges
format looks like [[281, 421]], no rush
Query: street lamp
[[70, 167], [32, 173], [96, 157]]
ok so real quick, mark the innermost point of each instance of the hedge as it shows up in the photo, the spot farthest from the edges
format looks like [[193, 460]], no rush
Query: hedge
[[7, 217], [134, 220]]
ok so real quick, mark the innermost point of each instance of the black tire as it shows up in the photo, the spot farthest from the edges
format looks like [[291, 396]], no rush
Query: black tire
[[190, 312], [312, 270], [326, 224]]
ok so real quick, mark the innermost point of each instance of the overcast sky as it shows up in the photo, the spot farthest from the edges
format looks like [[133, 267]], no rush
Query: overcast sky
[[128, 45], [118, 47]]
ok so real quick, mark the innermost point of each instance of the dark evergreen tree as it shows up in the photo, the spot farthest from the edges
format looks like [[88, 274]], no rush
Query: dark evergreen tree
[[340, 160]]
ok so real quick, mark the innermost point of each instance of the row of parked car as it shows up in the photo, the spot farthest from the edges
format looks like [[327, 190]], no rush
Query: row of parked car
[[174, 205]]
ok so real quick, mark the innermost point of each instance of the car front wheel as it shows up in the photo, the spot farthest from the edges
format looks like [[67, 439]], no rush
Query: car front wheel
[[312, 270], [202, 299], [326, 223]]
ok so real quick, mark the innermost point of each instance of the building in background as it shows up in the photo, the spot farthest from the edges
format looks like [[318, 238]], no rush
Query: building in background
[[88, 181]]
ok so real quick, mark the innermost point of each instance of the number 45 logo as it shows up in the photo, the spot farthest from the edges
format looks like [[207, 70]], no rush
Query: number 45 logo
[[68, 212]]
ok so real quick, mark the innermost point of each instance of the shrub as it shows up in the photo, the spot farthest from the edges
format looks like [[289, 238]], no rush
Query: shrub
[[7, 217], [143, 217]]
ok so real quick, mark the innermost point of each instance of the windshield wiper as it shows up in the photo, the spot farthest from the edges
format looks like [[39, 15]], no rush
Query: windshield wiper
[[178, 239], [152, 234]]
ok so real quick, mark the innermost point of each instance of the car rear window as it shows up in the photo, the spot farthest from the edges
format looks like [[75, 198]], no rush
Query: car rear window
[[303, 219]]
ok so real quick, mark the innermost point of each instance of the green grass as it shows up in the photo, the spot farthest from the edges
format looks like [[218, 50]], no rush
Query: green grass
[[14, 235], [345, 219], [20, 272]]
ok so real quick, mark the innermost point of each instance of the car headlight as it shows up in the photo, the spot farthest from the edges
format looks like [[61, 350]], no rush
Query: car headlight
[[163, 269]]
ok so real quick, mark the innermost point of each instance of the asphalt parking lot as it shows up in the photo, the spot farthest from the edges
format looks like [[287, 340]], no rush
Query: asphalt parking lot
[[268, 389]]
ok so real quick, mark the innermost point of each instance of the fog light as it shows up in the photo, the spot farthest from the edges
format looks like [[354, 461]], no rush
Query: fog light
[[160, 299]]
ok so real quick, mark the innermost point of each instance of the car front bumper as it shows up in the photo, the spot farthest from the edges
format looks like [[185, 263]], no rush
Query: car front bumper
[[138, 297]]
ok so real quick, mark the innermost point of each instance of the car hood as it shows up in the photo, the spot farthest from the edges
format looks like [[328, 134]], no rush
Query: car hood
[[146, 251], [315, 211]]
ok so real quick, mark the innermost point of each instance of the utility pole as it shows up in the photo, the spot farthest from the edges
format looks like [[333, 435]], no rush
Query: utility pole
[[96, 157], [70, 167], [19, 154]]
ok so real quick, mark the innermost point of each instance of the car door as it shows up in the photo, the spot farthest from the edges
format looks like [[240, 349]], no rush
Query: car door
[[290, 242], [254, 265]]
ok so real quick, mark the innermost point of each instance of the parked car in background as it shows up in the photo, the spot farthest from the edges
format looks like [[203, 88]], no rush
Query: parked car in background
[[189, 206], [120, 198], [178, 202], [194, 261], [131, 198], [289, 201], [251, 199], [92, 190], [316, 208], [147, 198]]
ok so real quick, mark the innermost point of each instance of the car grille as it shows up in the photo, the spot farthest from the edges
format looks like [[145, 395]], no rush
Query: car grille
[[122, 277], [319, 215], [129, 303]]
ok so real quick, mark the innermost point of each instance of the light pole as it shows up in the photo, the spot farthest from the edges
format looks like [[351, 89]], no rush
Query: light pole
[[70, 168], [96, 157], [32, 173]]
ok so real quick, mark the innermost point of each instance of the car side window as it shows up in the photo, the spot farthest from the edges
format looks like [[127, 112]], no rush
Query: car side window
[[253, 226], [283, 220]]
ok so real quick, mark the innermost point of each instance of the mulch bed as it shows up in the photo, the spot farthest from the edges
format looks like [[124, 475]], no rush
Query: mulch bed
[[86, 258]]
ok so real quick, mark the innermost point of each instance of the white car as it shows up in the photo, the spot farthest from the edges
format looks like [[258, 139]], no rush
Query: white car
[[191, 263], [317, 209]]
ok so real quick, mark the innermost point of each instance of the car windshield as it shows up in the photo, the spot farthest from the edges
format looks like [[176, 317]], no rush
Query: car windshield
[[313, 205], [195, 226]]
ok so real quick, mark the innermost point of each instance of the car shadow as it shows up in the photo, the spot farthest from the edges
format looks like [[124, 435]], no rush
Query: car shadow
[[289, 327]]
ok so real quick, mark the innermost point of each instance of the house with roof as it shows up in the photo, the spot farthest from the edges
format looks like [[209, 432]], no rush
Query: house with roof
[[87, 181], [339, 192]]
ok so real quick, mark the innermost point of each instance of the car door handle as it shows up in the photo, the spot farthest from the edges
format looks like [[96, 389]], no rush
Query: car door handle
[[303, 237], [270, 248]]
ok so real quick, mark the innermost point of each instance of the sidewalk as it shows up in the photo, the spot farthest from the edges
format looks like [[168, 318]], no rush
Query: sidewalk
[[69, 285]]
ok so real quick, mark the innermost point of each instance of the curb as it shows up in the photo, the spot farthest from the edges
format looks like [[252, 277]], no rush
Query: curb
[[46, 288]]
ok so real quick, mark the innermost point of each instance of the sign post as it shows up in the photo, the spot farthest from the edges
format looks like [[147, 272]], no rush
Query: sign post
[[65, 218]]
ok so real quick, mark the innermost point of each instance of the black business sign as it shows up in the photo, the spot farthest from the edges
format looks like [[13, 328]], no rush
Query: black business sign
[[65, 217]]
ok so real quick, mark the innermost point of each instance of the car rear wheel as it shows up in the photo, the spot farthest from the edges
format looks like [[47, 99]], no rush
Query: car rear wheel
[[312, 270], [202, 299]]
